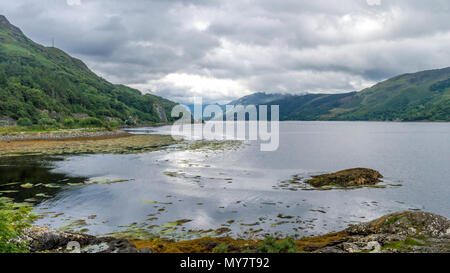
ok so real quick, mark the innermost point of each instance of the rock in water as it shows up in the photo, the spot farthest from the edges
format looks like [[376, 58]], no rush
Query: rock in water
[[347, 178]]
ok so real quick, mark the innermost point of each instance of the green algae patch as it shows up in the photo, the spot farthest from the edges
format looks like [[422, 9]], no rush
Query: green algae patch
[[149, 202], [52, 186], [43, 195], [76, 184], [279, 223], [249, 225], [203, 145], [176, 223], [171, 174], [74, 225], [221, 231], [281, 216], [134, 233], [27, 186], [106, 181]]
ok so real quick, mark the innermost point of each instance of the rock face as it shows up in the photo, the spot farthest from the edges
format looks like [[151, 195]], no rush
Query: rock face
[[45, 240], [347, 178], [7, 121], [161, 113]]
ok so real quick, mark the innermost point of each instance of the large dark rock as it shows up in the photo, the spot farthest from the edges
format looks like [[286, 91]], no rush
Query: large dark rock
[[347, 178]]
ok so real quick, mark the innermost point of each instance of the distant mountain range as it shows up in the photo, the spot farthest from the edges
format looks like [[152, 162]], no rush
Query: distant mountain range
[[260, 99], [421, 96], [41, 83]]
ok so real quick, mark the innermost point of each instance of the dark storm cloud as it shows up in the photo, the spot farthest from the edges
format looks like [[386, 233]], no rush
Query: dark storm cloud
[[224, 49]]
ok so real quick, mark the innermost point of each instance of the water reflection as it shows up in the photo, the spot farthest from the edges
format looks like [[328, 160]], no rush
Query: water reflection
[[29, 179]]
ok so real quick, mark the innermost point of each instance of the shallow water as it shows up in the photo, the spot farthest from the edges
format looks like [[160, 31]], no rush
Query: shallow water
[[213, 187]]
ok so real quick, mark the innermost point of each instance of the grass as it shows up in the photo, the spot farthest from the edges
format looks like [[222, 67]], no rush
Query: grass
[[391, 220], [222, 248], [13, 220], [403, 245]]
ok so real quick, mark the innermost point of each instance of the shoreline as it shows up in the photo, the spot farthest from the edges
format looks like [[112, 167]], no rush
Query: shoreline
[[88, 143], [401, 232], [146, 125], [63, 135]]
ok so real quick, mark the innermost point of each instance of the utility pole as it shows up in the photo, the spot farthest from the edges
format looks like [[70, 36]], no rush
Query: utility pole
[[53, 81]]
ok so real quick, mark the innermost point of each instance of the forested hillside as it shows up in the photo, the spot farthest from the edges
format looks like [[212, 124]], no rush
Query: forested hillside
[[421, 96], [45, 85]]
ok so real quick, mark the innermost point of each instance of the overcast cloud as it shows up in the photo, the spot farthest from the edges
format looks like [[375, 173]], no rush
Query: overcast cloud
[[222, 50]]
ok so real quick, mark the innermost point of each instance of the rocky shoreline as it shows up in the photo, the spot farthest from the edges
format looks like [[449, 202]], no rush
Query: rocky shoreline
[[63, 135], [118, 144], [46, 240], [402, 232]]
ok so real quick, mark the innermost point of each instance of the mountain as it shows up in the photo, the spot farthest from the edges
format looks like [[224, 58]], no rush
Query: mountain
[[43, 83], [410, 97], [259, 99], [421, 96]]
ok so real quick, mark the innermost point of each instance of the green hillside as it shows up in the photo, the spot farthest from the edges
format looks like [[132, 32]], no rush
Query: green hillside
[[44, 85], [260, 98], [419, 96], [422, 96]]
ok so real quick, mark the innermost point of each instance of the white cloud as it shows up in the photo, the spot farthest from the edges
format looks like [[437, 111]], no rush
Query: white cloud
[[373, 2], [186, 86], [226, 49], [73, 2]]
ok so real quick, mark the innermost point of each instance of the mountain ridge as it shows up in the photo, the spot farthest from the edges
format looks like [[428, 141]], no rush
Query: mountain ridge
[[41, 84], [419, 96], [259, 98]]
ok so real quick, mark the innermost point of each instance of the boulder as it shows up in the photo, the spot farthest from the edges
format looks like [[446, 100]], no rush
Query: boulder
[[347, 178]]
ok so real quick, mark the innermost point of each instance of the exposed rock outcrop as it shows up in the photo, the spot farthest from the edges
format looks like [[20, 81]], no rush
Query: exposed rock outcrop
[[161, 113], [45, 240], [347, 178], [404, 232], [7, 121]]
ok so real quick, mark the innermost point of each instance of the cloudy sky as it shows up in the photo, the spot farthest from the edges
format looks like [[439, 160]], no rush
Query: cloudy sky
[[222, 50]]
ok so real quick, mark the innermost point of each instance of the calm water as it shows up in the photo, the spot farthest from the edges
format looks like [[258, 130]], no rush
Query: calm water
[[214, 188]]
